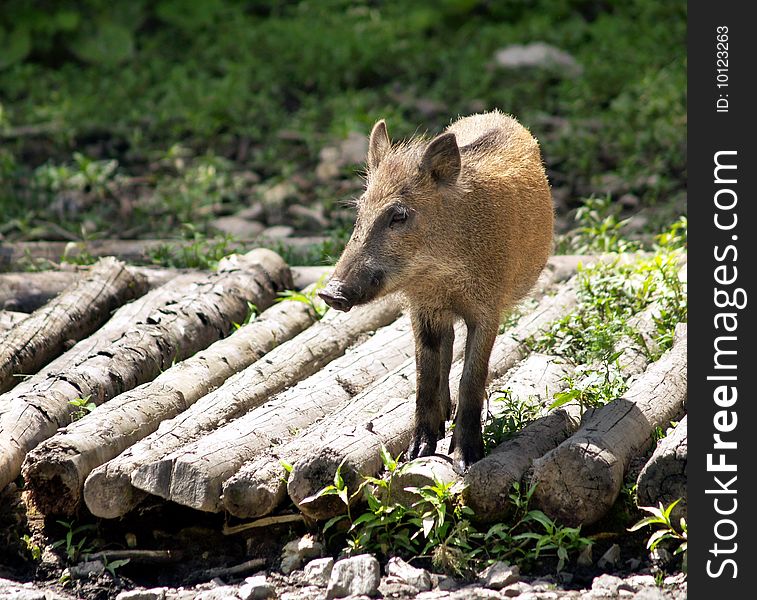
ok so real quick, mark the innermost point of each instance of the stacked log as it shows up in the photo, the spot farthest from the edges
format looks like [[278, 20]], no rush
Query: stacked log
[[55, 471], [579, 481], [78, 311], [191, 318], [109, 491], [663, 479], [357, 448]]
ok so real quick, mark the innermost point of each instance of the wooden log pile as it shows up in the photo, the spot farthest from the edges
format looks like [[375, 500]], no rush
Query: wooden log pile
[[191, 403]]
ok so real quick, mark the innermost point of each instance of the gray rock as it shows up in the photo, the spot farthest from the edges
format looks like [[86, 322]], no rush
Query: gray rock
[[310, 592], [318, 571], [608, 583], [499, 574], [277, 232], [256, 588], [356, 575], [237, 226], [308, 217], [394, 587], [418, 578], [652, 593], [296, 552], [350, 151], [224, 592], [475, 592], [514, 590], [660, 556], [151, 594], [609, 558], [538, 55]]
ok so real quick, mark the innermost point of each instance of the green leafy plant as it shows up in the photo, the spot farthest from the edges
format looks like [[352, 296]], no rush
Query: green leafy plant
[[112, 565], [252, 312], [309, 297], [34, 550], [83, 407], [74, 545], [439, 526], [512, 415], [660, 517], [199, 252], [597, 230]]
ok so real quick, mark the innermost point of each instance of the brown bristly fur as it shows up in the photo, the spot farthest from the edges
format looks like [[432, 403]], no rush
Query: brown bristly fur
[[476, 234]]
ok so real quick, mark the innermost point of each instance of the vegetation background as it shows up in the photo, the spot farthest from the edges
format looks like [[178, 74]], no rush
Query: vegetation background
[[140, 119]]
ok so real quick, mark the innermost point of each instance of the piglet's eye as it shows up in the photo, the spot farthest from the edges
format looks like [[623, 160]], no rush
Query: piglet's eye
[[399, 215]]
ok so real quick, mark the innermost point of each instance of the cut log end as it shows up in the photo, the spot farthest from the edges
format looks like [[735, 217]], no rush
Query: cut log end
[[246, 495], [600, 476], [53, 482], [110, 497]]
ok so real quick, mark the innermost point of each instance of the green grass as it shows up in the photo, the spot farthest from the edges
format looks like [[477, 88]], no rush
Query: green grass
[[157, 117]]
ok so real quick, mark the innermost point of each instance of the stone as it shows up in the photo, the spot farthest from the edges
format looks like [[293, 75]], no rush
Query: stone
[[356, 575], [277, 232], [151, 594], [224, 592], [609, 558], [538, 55], [660, 556], [348, 152], [418, 578], [475, 592], [256, 588], [514, 590], [296, 552], [237, 227], [499, 574], [394, 587], [318, 571], [308, 217], [652, 593], [605, 582]]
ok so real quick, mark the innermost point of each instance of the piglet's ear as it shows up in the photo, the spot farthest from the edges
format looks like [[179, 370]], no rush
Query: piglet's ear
[[442, 159], [378, 145]]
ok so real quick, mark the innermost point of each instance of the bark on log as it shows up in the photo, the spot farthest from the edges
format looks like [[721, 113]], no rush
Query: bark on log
[[489, 481], [56, 469], [579, 481], [260, 486], [193, 474], [109, 490], [9, 318], [357, 448], [132, 251], [663, 479], [194, 317], [74, 314], [26, 292]]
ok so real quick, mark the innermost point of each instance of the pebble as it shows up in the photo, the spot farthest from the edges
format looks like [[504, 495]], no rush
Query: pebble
[[256, 588], [418, 578], [151, 594], [538, 55], [296, 552], [499, 574], [318, 571], [356, 575], [609, 558], [224, 592]]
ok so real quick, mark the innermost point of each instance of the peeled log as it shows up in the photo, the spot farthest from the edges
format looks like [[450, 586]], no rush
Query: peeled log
[[197, 471], [357, 449], [71, 316], [109, 490], [193, 318], [56, 469], [259, 486], [9, 318], [134, 251], [578, 482], [663, 479]]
